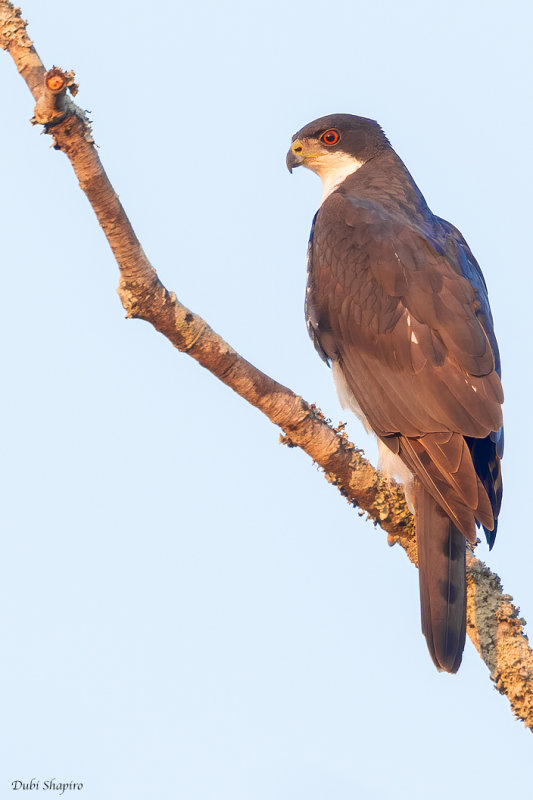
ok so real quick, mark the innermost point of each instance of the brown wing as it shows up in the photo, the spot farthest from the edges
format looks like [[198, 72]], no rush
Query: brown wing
[[388, 301]]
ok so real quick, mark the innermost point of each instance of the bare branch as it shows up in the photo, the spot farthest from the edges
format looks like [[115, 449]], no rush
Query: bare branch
[[493, 621]]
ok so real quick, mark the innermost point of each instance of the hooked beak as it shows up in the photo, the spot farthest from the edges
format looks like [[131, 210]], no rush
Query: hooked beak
[[295, 156]]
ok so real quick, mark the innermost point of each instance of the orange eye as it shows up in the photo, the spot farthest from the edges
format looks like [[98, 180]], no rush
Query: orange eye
[[330, 137]]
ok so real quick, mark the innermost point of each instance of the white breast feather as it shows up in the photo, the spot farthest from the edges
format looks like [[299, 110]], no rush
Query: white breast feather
[[389, 463]]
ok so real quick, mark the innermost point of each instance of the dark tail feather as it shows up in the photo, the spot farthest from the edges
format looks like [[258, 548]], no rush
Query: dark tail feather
[[442, 573]]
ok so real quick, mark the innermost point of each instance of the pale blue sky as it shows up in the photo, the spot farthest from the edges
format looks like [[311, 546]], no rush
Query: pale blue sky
[[189, 609]]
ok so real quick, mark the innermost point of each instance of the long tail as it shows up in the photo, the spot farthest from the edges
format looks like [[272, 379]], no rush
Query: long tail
[[442, 573]]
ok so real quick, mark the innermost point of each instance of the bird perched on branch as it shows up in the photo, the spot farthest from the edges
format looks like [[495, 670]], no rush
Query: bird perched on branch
[[397, 305]]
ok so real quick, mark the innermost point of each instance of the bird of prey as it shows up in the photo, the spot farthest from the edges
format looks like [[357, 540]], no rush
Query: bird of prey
[[397, 305]]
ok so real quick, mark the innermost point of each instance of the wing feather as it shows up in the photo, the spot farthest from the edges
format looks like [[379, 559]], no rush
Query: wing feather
[[402, 308]]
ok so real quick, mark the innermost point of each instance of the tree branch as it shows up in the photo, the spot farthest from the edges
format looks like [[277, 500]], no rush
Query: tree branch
[[493, 622]]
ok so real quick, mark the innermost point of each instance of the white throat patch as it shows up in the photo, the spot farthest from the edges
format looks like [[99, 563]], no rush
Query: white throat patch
[[333, 169]]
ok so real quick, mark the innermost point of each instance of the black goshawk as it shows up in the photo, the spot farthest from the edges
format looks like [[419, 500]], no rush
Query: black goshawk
[[397, 305]]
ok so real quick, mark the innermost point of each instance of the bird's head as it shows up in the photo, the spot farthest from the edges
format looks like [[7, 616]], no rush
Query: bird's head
[[336, 146]]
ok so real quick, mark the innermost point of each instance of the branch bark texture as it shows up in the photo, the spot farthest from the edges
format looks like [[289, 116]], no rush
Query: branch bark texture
[[493, 621]]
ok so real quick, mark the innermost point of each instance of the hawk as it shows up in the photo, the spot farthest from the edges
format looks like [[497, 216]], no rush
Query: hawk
[[397, 305]]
